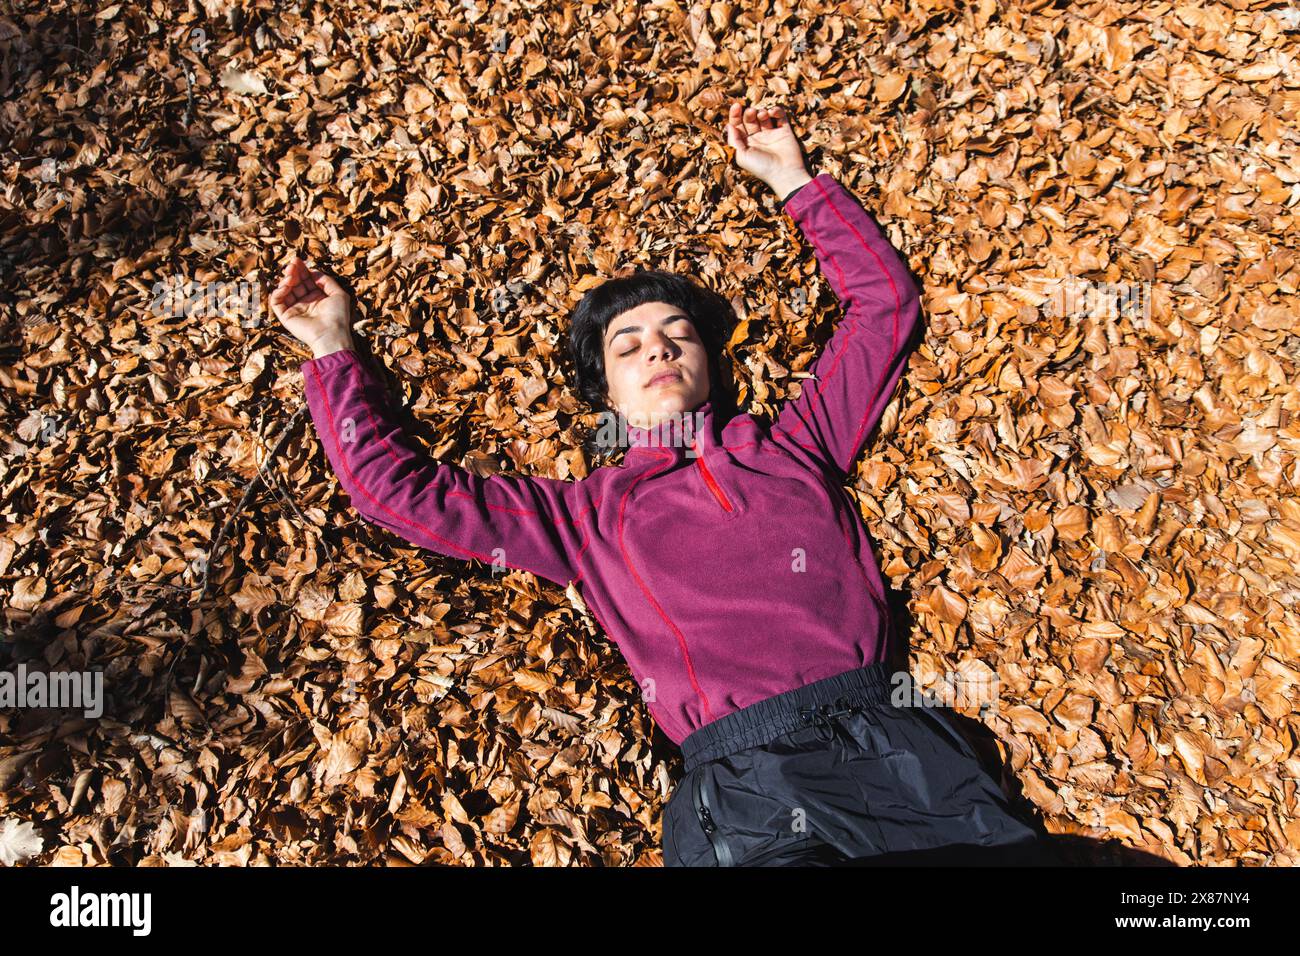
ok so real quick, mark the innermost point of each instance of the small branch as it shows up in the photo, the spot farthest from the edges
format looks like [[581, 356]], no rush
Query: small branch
[[226, 525], [189, 95], [243, 501]]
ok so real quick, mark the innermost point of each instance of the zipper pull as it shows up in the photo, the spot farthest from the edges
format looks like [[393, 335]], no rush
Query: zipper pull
[[709, 479]]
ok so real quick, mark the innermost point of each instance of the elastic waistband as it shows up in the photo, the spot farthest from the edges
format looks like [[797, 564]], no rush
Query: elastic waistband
[[765, 720]]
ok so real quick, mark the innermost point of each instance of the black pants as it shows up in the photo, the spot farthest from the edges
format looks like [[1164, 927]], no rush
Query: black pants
[[834, 774]]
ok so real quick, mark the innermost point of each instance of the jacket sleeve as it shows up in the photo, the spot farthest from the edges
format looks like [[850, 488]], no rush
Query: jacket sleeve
[[864, 359], [520, 522]]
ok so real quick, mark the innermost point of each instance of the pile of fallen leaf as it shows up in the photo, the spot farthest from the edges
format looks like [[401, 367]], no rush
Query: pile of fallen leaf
[[1095, 509]]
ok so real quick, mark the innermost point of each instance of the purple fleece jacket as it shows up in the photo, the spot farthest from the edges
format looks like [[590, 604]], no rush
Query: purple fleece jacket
[[725, 559]]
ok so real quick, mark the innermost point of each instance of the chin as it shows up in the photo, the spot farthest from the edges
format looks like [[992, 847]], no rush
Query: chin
[[677, 403]]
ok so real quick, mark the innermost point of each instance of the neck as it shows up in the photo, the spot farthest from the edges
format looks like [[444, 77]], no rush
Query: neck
[[680, 434]]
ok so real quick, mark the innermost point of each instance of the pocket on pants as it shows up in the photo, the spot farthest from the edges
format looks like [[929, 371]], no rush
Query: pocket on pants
[[734, 811], [682, 844], [763, 809], [687, 840], [705, 803]]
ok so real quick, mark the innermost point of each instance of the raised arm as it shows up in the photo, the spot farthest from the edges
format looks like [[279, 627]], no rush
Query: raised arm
[[864, 359], [515, 521], [860, 365]]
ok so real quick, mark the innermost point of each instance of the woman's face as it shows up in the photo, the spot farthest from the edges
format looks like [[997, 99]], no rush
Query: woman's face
[[655, 364]]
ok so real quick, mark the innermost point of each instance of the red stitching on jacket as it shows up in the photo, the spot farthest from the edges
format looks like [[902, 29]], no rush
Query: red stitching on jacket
[[527, 512], [514, 511], [556, 519], [709, 480], [343, 459], [586, 539], [871, 588], [361, 390], [649, 706], [878, 598], [787, 434], [855, 323], [627, 561]]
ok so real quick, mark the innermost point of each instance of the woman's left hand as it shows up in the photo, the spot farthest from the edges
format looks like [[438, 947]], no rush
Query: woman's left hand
[[767, 148]]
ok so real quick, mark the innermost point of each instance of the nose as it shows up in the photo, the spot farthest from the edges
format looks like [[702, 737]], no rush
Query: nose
[[660, 345]]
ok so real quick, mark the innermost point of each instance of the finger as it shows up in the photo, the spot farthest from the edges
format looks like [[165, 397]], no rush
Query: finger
[[736, 135], [764, 119], [287, 297], [279, 303], [303, 283], [328, 283], [313, 278], [751, 120], [293, 274], [312, 272]]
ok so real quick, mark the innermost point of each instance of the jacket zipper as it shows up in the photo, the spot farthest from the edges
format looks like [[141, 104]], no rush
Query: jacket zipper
[[720, 849], [708, 480]]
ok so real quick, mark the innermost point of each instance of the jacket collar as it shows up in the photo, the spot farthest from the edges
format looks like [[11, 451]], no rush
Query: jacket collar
[[681, 436]]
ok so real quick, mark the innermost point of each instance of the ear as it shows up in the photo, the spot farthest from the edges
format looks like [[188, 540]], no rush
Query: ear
[[608, 398]]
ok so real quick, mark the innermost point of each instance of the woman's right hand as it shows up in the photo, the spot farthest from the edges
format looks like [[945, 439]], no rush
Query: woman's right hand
[[766, 147], [314, 308]]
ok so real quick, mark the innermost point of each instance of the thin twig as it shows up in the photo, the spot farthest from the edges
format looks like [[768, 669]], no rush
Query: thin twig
[[243, 501], [284, 495], [122, 179], [226, 525], [120, 584], [189, 94], [238, 225]]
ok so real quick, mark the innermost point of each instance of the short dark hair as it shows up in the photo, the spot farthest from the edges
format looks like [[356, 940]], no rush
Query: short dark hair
[[710, 313]]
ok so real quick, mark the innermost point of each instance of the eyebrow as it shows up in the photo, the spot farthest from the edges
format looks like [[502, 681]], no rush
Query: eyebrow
[[637, 328]]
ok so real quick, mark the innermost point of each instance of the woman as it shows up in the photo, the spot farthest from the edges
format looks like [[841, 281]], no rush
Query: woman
[[723, 557]]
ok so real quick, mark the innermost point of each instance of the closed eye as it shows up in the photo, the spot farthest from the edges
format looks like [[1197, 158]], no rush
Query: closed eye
[[675, 338]]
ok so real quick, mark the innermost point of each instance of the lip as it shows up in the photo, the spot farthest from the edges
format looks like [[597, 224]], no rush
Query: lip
[[671, 375]]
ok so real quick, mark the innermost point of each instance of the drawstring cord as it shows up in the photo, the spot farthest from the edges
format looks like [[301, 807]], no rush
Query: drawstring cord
[[821, 716]]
